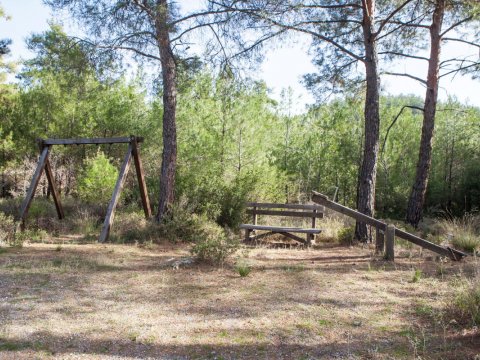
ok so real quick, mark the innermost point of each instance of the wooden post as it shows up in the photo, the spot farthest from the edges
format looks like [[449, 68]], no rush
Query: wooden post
[[141, 179], [254, 221], [311, 237], [33, 185], [53, 189], [116, 195], [390, 235], [379, 241], [51, 183], [247, 235]]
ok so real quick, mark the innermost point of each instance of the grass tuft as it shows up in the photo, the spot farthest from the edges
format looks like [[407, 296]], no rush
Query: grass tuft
[[467, 303], [417, 275], [243, 269], [466, 241]]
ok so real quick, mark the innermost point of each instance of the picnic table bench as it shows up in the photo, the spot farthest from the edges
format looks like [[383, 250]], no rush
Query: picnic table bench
[[286, 210]]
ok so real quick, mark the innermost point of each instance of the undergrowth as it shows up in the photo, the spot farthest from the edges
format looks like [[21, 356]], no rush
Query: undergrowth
[[463, 233], [346, 235], [467, 303], [214, 244], [243, 268]]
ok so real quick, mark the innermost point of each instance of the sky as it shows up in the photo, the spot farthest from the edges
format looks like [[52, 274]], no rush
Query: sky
[[282, 68]]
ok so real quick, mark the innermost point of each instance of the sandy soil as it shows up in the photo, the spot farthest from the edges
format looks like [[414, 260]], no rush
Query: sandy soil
[[95, 301]]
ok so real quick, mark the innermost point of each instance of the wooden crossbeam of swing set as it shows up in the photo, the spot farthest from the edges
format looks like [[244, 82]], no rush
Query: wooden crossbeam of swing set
[[91, 141], [44, 165]]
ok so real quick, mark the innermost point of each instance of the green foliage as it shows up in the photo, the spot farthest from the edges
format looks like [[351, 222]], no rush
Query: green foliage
[[468, 303], [466, 241], [97, 180], [181, 224], [233, 199], [242, 268], [235, 144], [463, 232], [213, 244], [346, 235], [223, 152], [417, 275], [312, 146], [7, 229]]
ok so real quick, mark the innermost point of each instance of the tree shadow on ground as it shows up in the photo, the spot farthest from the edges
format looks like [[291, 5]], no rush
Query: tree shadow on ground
[[274, 347], [200, 292]]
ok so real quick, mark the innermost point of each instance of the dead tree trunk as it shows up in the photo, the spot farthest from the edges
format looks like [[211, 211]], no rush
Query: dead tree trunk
[[419, 189], [368, 170], [169, 157]]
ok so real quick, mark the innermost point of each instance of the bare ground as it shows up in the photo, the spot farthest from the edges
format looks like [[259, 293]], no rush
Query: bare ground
[[95, 301]]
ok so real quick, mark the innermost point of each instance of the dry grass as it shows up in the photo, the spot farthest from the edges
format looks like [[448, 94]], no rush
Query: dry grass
[[96, 301], [463, 232]]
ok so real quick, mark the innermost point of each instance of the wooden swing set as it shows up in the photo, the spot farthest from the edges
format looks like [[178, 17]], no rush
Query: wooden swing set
[[44, 164]]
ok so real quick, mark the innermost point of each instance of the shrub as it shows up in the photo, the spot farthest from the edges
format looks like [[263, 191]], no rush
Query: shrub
[[232, 202], [466, 241], [10, 206], [41, 208], [10, 236], [132, 227], [97, 179], [181, 224], [467, 303], [463, 232], [346, 235], [213, 244], [31, 235], [7, 229]]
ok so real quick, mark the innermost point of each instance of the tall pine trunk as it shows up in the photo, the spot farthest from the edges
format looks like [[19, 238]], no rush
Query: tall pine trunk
[[169, 156], [419, 189], [368, 170]]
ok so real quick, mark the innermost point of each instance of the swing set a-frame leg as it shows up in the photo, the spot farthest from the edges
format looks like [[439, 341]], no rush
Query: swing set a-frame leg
[[141, 179], [122, 176], [53, 189], [43, 164], [33, 185]]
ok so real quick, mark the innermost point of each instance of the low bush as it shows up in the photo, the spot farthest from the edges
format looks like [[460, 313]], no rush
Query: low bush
[[467, 241], [133, 227], [181, 224], [10, 206], [9, 236], [7, 229], [464, 232], [346, 235], [30, 235], [467, 303], [213, 244], [42, 219], [233, 199]]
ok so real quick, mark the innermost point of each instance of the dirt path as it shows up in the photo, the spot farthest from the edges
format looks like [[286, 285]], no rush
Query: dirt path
[[123, 302]]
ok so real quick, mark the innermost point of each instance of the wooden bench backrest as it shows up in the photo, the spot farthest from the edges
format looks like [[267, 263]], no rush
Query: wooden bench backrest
[[309, 211]]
